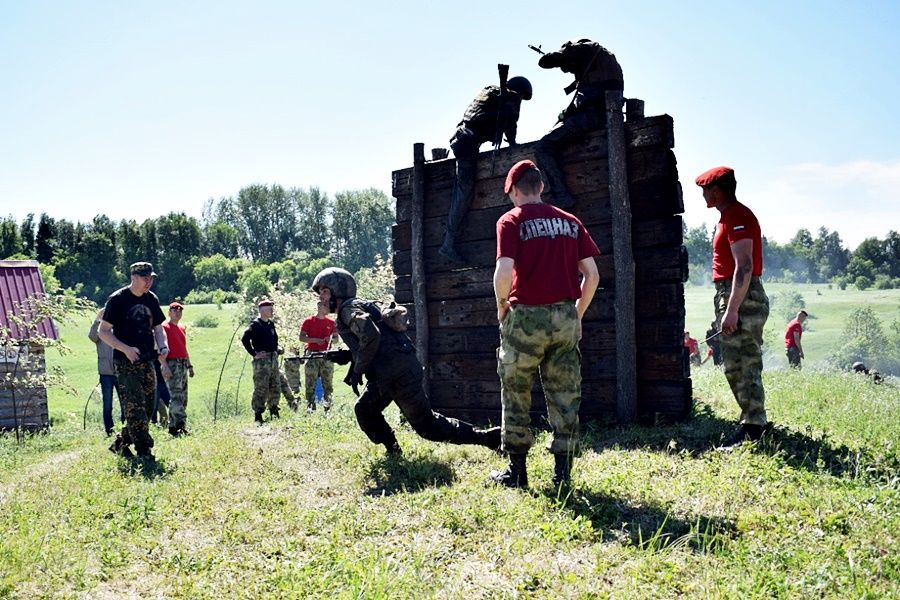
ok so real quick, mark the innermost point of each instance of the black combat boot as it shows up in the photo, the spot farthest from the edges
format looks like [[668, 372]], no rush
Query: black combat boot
[[273, 412], [744, 433], [310, 407], [515, 475], [121, 448], [257, 416], [562, 470], [393, 448]]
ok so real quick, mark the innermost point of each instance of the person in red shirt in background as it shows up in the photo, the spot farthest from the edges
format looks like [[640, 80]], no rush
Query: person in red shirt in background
[[693, 348], [792, 340], [179, 363], [318, 332], [741, 304]]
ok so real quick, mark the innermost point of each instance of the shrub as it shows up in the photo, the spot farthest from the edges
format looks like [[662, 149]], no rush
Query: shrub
[[207, 321], [862, 283], [217, 297]]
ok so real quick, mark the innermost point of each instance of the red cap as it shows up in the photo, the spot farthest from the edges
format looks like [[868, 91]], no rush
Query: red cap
[[714, 176], [515, 174], [265, 302], [176, 305]]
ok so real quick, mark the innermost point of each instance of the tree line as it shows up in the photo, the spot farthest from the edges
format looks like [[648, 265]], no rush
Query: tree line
[[241, 244], [807, 259]]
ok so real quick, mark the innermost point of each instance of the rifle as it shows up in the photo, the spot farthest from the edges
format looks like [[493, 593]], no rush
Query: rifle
[[503, 71], [537, 49], [338, 357]]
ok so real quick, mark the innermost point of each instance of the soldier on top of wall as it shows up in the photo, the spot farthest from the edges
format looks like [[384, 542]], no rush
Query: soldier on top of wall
[[489, 117], [596, 71]]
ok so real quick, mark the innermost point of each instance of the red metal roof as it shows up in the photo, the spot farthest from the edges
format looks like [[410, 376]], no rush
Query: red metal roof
[[19, 280]]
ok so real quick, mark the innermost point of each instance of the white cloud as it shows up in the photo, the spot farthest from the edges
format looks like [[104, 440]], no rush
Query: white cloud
[[858, 199]]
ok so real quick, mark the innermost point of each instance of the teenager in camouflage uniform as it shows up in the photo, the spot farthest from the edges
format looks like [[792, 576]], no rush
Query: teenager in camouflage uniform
[[741, 304], [393, 373], [179, 362], [489, 117], [261, 342], [132, 326], [541, 250]]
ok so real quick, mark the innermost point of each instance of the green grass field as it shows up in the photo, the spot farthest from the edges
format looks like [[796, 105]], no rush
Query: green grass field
[[306, 507], [827, 308]]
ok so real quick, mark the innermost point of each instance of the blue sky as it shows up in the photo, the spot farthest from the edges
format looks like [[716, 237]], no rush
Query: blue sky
[[134, 109]]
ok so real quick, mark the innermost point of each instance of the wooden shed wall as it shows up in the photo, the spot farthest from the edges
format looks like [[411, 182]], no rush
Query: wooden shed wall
[[22, 403], [461, 313]]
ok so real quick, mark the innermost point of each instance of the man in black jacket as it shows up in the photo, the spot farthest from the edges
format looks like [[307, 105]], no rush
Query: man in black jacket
[[261, 341]]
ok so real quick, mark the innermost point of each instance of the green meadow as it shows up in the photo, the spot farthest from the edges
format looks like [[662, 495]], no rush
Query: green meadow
[[306, 507]]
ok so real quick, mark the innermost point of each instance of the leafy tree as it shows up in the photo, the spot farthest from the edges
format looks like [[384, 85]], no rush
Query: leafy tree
[[220, 238], [265, 220], [149, 252], [178, 245], [698, 242], [130, 242], [217, 272], [27, 233], [314, 211], [10, 239], [45, 245], [254, 282], [67, 237], [828, 255], [362, 227]]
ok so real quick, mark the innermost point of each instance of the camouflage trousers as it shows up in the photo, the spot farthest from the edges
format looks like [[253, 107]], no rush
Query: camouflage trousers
[[742, 350], [178, 392], [267, 383], [136, 385], [540, 339], [321, 369], [292, 373]]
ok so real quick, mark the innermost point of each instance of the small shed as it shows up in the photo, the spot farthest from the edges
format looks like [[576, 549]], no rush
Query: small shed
[[23, 399], [625, 182]]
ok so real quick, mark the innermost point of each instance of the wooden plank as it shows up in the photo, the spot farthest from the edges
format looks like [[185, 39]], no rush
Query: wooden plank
[[670, 399], [667, 264], [417, 253], [653, 198], [650, 131], [664, 231], [623, 261], [659, 365], [654, 299]]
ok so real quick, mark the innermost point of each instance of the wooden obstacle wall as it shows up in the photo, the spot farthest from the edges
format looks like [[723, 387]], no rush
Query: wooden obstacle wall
[[461, 325]]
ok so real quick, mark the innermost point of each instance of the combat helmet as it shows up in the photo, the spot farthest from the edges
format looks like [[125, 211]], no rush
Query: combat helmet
[[339, 281], [521, 86]]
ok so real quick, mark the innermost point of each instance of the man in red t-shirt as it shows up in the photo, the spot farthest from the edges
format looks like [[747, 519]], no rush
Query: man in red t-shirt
[[541, 251], [742, 306], [792, 340], [179, 363], [693, 348], [317, 332]]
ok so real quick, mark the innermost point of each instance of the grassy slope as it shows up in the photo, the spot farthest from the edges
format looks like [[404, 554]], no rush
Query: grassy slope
[[828, 310], [306, 507]]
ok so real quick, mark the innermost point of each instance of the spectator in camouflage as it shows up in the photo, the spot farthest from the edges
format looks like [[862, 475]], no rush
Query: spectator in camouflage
[[179, 362], [542, 251], [741, 304]]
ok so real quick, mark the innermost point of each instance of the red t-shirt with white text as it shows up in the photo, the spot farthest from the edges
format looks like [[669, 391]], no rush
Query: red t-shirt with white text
[[315, 327], [736, 223], [546, 244]]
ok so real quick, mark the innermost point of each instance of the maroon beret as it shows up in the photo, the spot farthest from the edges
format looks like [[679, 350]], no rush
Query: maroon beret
[[714, 176], [515, 174], [265, 302]]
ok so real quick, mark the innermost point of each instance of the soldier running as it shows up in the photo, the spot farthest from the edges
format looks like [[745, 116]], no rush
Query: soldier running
[[388, 360]]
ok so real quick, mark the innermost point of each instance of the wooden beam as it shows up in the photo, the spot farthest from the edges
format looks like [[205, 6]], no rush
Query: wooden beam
[[623, 261], [418, 256]]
